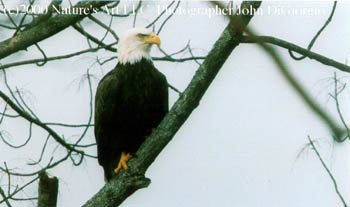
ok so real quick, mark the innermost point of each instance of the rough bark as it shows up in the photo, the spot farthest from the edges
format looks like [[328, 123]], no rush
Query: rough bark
[[127, 182], [48, 190]]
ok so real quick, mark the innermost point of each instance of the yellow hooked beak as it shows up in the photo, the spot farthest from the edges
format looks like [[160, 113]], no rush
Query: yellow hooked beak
[[152, 39]]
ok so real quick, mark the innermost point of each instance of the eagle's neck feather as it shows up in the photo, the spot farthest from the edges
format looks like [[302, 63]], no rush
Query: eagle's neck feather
[[132, 55]]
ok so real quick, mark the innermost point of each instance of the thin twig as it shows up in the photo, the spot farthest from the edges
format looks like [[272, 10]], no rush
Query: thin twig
[[92, 38], [328, 171], [160, 15], [108, 28], [167, 19], [19, 189], [29, 118], [174, 89], [136, 12], [42, 152], [170, 59], [33, 61], [44, 55], [21, 145], [68, 125], [288, 45], [317, 34], [335, 96], [90, 116]]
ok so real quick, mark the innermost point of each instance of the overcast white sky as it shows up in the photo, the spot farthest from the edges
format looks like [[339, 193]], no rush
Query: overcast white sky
[[239, 147]]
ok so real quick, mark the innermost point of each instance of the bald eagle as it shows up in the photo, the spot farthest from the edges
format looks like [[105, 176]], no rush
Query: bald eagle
[[130, 101]]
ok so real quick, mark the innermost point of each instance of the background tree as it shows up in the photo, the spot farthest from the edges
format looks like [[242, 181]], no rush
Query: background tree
[[46, 39]]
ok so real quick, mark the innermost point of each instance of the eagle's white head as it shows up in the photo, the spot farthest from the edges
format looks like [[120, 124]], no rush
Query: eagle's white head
[[136, 44]]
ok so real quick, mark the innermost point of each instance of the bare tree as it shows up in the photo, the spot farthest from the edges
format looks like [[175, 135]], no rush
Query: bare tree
[[26, 28]]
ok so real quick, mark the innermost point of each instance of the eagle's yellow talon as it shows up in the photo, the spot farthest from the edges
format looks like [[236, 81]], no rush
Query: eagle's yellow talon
[[124, 158]]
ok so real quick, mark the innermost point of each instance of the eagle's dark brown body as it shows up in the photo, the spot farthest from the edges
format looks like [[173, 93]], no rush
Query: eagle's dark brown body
[[130, 101]]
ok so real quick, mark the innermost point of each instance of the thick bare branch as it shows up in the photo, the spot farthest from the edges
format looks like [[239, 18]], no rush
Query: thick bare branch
[[43, 30], [5, 198], [48, 190], [336, 131]]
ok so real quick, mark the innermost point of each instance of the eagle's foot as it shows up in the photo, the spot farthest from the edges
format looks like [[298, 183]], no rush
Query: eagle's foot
[[124, 158]]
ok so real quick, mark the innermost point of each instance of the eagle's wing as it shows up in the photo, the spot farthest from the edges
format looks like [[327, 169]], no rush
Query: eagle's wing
[[105, 109]]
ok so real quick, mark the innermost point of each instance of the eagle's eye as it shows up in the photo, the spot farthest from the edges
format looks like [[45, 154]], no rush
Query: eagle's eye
[[141, 36]]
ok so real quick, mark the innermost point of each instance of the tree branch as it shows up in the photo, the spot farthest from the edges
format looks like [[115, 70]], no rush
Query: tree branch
[[298, 49], [328, 172], [43, 30], [337, 132], [48, 190], [31, 119], [116, 191], [92, 38], [317, 34], [6, 200]]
